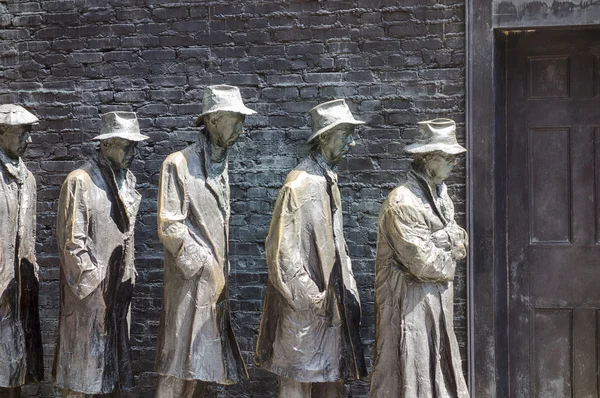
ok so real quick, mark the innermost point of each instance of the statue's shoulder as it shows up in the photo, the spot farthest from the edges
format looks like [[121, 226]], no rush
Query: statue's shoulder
[[180, 157], [404, 195], [296, 179], [305, 176], [81, 177]]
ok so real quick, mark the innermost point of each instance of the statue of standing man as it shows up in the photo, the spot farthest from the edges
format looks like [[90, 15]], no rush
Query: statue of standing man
[[20, 336], [309, 332], [416, 352], [196, 340], [97, 210]]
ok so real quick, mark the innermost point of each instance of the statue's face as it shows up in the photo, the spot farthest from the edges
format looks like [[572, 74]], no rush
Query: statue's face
[[335, 144], [224, 128], [15, 140], [439, 165], [120, 152]]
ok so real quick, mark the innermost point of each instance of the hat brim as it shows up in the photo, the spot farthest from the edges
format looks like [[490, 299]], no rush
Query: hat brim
[[242, 111], [427, 148], [352, 122], [129, 137]]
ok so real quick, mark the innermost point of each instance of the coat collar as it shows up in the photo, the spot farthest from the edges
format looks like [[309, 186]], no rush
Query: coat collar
[[435, 193], [325, 167], [125, 211], [15, 168], [216, 174]]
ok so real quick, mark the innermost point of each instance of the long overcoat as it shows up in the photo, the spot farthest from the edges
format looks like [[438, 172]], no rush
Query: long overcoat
[[94, 231], [196, 339], [20, 336], [311, 314], [416, 352]]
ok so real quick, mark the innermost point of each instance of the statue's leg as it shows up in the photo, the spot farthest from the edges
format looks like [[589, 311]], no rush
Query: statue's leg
[[328, 390], [289, 388], [10, 392], [173, 387]]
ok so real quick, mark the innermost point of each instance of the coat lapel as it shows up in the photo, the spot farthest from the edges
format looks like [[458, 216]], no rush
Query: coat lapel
[[216, 176], [121, 215], [436, 205]]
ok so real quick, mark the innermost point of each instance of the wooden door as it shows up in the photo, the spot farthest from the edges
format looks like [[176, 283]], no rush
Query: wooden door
[[553, 210]]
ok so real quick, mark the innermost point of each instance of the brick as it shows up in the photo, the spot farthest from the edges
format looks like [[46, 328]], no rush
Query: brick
[[407, 29], [139, 41], [133, 14], [396, 16], [422, 44], [296, 49], [323, 77], [98, 16], [171, 13], [49, 33], [176, 40], [120, 56], [63, 18], [279, 93], [87, 58], [27, 20], [130, 96]]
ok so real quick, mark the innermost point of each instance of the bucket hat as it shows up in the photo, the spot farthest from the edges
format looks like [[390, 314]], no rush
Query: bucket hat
[[15, 115], [120, 125], [436, 135], [330, 114], [222, 98]]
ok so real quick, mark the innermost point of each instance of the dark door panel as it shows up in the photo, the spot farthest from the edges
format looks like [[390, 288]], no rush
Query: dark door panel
[[553, 205]]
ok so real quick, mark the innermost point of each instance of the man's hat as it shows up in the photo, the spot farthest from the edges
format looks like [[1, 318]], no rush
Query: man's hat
[[120, 125], [16, 115], [222, 98], [436, 135], [330, 114]]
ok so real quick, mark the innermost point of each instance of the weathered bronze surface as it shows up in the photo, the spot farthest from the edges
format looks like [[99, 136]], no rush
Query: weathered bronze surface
[[309, 331], [95, 230], [20, 336], [196, 339], [416, 352]]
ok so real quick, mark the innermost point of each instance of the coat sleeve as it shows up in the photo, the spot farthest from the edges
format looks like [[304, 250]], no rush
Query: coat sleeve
[[80, 269], [284, 253], [190, 255], [406, 231]]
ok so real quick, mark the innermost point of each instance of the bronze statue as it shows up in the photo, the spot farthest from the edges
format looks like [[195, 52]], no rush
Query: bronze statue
[[196, 340], [416, 353], [309, 332], [20, 336], [95, 229]]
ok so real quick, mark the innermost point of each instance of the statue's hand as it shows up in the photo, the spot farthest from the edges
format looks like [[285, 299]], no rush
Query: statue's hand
[[441, 239], [459, 251]]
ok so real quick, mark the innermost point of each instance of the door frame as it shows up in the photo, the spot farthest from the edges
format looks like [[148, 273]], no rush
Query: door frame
[[487, 292], [487, 299]]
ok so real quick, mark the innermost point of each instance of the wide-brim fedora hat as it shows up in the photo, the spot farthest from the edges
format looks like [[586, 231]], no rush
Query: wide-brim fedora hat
[[16, 115], [437, 135], [330, 114], [222, 98], [120, 125]]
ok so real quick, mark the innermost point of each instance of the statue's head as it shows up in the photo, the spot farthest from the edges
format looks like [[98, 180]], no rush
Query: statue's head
[[435, 148], [118, 138], [15, 127], [333, 130], [223, 114]]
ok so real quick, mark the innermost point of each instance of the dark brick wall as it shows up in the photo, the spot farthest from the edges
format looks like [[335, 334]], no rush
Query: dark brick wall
[[397, 62]]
